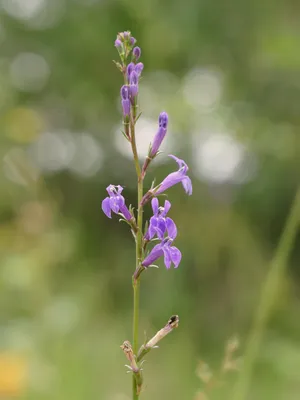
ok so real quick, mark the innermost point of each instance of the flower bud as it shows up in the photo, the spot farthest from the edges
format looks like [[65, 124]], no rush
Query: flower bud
[[125, 100], [139, 68], [130, 68], [160, 134], [118, 43], [134, 83], [136, 53], [132, 41]]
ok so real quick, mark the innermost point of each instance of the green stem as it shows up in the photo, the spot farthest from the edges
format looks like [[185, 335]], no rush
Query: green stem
[[139, 248], [268, 296]]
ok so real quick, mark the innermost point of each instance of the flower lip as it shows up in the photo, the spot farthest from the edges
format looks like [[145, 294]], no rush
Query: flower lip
[[160, 223], [115, 202]]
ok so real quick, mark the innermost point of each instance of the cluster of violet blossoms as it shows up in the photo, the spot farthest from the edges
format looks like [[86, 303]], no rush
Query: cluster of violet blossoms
[[161, 227]]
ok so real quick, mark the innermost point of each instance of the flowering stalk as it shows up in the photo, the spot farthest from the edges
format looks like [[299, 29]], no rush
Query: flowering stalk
[[160, 227]]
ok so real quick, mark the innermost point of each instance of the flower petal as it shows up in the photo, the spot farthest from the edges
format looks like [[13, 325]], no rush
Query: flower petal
[[110, 190], [155, 205], [106, 207], [167, 207], [152, 228], [178, 160], [170, 180], [124, 210], [161, 227], [167, 256], [171, 228], [120, 189], [187, 185], [154, 254], [114, 204], [175, 256]]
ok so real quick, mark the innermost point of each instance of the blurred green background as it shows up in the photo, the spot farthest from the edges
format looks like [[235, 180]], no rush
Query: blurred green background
[[228, 74]]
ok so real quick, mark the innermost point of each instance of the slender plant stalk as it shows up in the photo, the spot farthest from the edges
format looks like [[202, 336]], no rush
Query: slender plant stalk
[[139, 249], [268, 296]]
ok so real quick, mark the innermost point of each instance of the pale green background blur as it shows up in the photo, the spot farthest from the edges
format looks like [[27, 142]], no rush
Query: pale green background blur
[[228, 74]]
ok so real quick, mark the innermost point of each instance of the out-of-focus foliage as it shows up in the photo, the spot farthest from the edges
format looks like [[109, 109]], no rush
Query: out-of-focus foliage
[[228, 73]]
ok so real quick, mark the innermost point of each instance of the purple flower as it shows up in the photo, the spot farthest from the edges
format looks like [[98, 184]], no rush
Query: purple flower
[[134, 84], [139, 68], [170, 253], [118, 43], [132, 41], [177, 177], [115, 202], [159, 223], [136, 53], [160, 134], [125, 92]]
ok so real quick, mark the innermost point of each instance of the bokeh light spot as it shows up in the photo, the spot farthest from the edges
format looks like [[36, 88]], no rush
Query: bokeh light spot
[[202, 88], [29, 72], [23, 124]]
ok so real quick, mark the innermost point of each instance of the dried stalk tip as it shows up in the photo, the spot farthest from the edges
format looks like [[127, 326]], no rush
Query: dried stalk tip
[[152, 343], [174, 321], [127, 349]]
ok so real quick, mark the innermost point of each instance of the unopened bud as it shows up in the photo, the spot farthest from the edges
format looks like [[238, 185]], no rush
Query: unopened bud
[[139, 68], [136, 53], [125, 100], [118, 43]]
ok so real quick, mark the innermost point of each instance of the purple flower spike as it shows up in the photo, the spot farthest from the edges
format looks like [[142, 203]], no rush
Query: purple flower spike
[[159, 223], [139, 68], [115, 202], [164, 249], [118, 43], [160, 134], [134, 84], [136, 53], [132, 41], [125, 92], [177, 177]]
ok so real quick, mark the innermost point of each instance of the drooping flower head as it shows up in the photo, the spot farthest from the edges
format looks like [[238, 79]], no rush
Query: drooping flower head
[[160, 134], [115, 202], [125, 93], [164, 249], [177, 177], [159, 223], [171, 180]]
